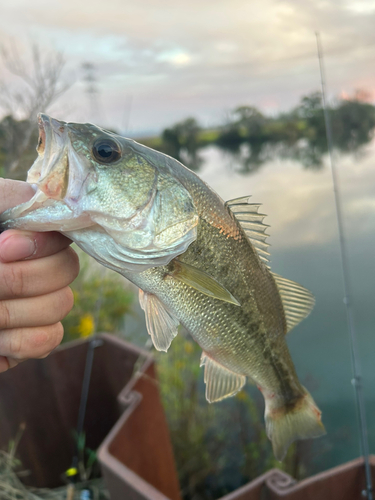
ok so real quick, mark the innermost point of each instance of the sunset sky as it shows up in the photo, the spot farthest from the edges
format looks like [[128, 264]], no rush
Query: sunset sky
[[160, 61]]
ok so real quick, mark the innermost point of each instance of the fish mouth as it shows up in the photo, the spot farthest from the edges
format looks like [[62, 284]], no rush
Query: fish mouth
[[54, 176], [50, 171], [42, 136], [52, 134]]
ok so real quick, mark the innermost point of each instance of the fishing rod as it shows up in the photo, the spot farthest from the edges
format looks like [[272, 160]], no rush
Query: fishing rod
[[72, 473], [357, 379]]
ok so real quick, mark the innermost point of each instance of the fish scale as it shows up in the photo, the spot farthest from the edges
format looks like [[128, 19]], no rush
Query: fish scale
[[239, 329], [197, 261]]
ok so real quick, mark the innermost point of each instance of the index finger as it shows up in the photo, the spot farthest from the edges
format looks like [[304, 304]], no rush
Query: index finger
[[21, 245], [13, 193]]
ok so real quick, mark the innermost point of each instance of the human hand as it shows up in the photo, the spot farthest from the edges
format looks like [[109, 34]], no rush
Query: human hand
[[35, 271]]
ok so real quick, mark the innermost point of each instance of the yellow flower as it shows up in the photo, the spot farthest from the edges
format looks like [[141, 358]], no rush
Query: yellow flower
[[241, 396], [189, 348], [86, 325]]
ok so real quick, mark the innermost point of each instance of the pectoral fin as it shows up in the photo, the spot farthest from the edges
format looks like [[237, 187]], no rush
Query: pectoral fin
[[161, 325], [220, 382], [202, 282]]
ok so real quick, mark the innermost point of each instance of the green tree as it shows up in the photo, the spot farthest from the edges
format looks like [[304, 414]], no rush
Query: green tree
[[182, 142], [353, 124]]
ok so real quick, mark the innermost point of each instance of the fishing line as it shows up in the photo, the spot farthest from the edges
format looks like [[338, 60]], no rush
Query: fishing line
[[357, 380]]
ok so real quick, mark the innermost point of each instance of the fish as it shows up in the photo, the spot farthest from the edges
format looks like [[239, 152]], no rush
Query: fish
[[198, 261]]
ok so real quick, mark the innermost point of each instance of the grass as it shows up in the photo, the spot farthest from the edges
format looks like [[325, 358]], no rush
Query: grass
[[12, 488]]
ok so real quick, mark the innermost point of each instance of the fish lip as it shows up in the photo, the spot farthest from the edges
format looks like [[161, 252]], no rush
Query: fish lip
[[45, 137], [51, 174], [47, 127], [41, 147]]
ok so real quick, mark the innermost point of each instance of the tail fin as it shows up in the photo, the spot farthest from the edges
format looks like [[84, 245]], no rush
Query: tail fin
[[285, 425]]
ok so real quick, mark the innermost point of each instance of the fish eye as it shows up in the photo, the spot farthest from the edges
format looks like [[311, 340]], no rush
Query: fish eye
[[106, 151]]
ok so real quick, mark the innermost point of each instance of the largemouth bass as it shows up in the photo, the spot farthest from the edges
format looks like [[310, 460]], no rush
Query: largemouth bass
[[197, 261]]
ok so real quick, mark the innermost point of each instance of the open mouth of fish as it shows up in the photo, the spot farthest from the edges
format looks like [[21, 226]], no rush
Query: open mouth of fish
[[73, 192], [57, 186], [51, 169], [61, 181]]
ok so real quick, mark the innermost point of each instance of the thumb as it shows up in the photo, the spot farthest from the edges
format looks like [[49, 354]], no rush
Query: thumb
[[12, 193]]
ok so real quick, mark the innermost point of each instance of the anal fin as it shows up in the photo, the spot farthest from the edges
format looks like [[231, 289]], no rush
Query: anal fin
[[220, 382], [161, 324]]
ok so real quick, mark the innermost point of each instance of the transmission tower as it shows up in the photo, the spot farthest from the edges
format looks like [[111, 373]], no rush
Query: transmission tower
[[91, 89]]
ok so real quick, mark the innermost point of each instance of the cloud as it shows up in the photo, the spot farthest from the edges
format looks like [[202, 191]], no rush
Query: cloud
[[175, 57], [201, 57], [300, 203]]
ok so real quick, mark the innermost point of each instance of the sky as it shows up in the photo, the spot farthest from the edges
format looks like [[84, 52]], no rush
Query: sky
[[160, 61]]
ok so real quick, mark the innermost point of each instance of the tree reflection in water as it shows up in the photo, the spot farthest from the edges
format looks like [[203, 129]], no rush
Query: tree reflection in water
[[252, 138]]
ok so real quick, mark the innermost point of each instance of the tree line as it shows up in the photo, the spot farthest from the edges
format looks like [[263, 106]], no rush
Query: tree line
[[254, 137], [248, 134]]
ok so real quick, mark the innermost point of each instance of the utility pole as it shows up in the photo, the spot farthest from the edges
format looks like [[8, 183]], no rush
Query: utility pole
[[91, 89]]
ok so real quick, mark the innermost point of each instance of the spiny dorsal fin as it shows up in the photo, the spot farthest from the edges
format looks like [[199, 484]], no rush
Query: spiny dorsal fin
[[161, 325], [297, 301], [201, 281], [252, 223], [220, 382]]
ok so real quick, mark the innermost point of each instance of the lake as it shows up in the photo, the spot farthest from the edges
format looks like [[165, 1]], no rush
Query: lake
[[300, 209]]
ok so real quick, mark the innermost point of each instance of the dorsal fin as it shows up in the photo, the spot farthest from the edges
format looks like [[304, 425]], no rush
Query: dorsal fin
[[252, 223], [297, 301]]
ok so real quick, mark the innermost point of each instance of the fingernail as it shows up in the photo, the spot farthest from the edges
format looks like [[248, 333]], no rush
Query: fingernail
[[4, 364], [17, 248]]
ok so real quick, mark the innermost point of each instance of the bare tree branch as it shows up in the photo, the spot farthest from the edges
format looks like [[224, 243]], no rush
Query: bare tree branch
[[41, 84]]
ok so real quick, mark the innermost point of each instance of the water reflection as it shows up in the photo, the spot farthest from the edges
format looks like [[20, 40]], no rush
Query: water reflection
[[254, 139], [305, 248], [248, 159], [226, 441]]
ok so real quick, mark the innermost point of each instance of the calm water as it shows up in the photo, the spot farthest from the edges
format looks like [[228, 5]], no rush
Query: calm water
[[305, 248], [300, 209]]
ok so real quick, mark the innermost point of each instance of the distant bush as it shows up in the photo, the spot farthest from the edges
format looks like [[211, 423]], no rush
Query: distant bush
[[300, 133]]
